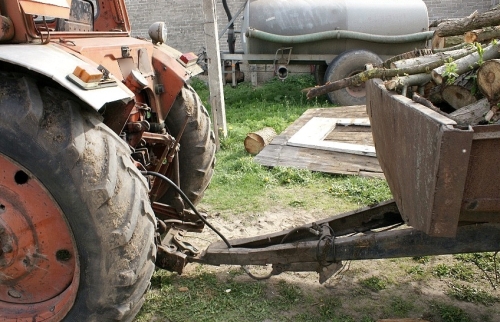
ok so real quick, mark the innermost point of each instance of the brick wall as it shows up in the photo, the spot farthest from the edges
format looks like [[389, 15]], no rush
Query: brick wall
[[439, 9], [184, 18]]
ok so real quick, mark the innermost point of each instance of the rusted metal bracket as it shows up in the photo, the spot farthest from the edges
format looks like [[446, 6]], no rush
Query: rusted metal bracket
[[185, 220], [173, 252]]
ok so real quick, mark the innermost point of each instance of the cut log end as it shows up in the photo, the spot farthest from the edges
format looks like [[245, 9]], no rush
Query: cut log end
[[488, 79], [256, 141], [458, 96]]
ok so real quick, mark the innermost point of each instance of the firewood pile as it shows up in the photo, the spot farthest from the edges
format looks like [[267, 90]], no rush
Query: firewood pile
[[459, 77]]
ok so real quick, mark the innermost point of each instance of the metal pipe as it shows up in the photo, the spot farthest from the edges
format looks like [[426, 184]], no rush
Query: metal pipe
[[338, 34], [230, 32], [282, 72]]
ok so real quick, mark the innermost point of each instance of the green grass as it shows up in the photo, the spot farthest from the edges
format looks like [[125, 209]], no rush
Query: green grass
[[205, 298], [471, 294], [450, 313], [361, 190], [242, 185], [374, 283]]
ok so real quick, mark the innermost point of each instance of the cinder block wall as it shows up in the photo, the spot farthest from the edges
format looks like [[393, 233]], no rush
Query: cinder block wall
[[184, 18], [439, 9]]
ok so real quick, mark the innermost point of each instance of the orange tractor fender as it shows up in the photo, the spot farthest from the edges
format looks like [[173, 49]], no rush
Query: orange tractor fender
[[49, 61], [59, 64]]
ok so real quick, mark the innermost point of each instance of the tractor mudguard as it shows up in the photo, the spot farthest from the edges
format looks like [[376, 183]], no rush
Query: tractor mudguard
[[171, 75], [57, 64]]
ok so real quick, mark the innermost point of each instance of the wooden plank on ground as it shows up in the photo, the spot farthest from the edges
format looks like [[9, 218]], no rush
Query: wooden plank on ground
[[280, 153], [314, 134]]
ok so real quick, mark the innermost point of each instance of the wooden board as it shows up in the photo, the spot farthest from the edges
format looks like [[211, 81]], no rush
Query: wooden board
[[317, 156], [317, 134]]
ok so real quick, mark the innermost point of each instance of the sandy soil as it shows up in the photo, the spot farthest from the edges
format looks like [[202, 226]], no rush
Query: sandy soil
[[417, 293]]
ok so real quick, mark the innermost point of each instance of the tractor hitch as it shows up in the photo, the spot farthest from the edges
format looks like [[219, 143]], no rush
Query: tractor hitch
[[370, 233], [374, 232]]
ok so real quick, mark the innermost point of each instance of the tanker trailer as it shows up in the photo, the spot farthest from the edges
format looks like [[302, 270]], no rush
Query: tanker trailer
[[339, 37]]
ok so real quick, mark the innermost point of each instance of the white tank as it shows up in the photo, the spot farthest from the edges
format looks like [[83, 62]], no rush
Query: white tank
[[309, 17]]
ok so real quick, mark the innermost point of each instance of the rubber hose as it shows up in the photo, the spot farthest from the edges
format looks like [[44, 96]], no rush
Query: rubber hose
[[338, 34]]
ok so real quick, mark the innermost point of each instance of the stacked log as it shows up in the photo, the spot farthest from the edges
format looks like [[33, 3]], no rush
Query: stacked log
[[459, 77]]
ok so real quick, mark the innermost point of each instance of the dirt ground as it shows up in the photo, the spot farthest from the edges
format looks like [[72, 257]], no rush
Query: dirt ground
[[410, 289]]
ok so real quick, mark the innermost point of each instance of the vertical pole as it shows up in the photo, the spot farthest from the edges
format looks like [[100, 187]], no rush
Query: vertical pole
[[253, 74], [214, 71]]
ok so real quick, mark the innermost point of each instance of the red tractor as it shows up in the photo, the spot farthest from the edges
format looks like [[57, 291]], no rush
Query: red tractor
[[84, 107], [98, 130]]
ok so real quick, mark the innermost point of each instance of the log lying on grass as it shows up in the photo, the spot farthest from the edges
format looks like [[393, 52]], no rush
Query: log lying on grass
[[256, 141]]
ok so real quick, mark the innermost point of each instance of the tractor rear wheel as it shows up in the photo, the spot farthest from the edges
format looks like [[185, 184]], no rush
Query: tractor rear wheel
[[76, 226], [197, 145]]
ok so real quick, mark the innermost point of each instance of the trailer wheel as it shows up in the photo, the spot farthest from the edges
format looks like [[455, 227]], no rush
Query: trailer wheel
[[197, 145], [347, 64], [76, 227]]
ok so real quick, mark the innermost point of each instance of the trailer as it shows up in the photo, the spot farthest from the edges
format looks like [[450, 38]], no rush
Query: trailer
[[336, 37]]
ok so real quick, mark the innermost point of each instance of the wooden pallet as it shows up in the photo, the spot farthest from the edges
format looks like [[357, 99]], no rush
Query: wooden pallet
[[333, 140]]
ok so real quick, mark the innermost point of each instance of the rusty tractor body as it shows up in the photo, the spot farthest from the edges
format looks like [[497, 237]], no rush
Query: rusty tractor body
[[84, 107]]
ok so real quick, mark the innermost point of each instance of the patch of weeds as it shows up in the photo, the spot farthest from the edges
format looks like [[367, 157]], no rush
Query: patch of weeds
[[363, 191], [441, 270], [416, 270], [458, 271], [471, 294], [286, 176], [462, 272], [399, 307], [367, 319], [422, 259], [328, 307], [233, 272], [450, 313], [344, 318], [484, 261], [358, 291], [374, 283], [161, 278], [289, 294], [304, 317], [487, 264], [297, 203]]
